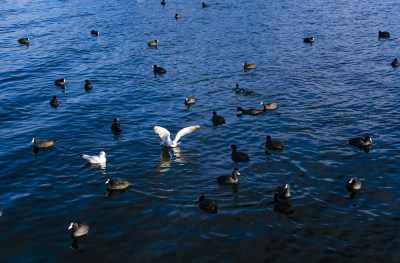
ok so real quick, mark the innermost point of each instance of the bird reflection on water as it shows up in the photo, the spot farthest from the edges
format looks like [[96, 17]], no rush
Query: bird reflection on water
[[95, 165], [166, 158]]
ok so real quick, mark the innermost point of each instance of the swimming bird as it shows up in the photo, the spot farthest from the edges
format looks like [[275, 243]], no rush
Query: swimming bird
[[162, 2], [270, 106], [177, 16], [217, 120], [116, 127], [78, 229], [282, 205], [309, 40], [1, 213], [383, 34], [224, 179], [117, 184], [272, 144], [60, 82], [238, 156], [158, 70], [205, 5], [24, 41], [249, 66], [88, 85], [208, 204], [42, 143], [360, 142], [166, 137], [54, 102], [101, 158], [153, 43], [283, 191], [353, 184], [395, 63], [189, 101], [94, 32], [243, 91]]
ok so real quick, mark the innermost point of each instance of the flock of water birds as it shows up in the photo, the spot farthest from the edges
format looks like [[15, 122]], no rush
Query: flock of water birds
[[281, 194]]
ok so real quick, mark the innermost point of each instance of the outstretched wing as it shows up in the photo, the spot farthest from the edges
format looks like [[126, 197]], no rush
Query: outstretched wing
[[164, 135], [186, 131]]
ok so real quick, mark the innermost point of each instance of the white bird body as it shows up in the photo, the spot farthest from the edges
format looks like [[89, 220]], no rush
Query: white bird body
[[166, 136], [101, 158]]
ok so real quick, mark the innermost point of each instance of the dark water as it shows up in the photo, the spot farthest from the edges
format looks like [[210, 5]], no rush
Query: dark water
[[340, 87]]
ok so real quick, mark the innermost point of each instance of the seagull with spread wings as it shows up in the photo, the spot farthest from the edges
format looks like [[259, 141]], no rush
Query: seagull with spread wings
[[166, 136]]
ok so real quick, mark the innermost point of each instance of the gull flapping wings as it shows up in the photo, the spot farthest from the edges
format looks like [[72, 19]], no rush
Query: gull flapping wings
[[166, 138]]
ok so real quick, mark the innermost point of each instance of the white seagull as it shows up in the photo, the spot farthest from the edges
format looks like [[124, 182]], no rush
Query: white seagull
[[95, 159], [166, 136]]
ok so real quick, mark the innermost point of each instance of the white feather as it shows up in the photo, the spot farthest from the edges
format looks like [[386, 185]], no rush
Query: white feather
[[166, 136]]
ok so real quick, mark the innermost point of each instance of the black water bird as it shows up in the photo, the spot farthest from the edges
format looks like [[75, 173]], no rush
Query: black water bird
[[88, 85], [308, 40], [116, 127], [282, 205], [272, 144], [158, 70], [162, 2], [205, 5], [177, 16], [395, 63], [54, 102], [43, 143], [94, 32], [117, 184], [353, 184], [360, 142], [24, 41], [249, 66], [225, 179], [383, 34], [60, 82], [238, 156], [283, 191], [153, 43], [208, 204], [217, 120]]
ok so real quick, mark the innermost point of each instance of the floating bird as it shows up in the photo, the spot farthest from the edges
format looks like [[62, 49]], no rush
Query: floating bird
[[94, 32], [158, 70], [189, 101], [24, 41], [243, 91], [54, 102], [116, 127], [217, 120], [360, 142], [283, 191], [88, 85], [249, 66], [353, 185], [272, 144], [101, 158], [395, 63], [78, 229], [153, 43], [43, 143], [308, 40], [205, 5], [383, 34], [60, 82], [207, 204], [177, 16], [162, 2], [282, 205], [165, 135], [117, 184], [270, 106], [238, 156], [229, 179]]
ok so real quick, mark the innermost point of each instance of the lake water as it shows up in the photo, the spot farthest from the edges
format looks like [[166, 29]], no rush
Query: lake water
[[340, 87]]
